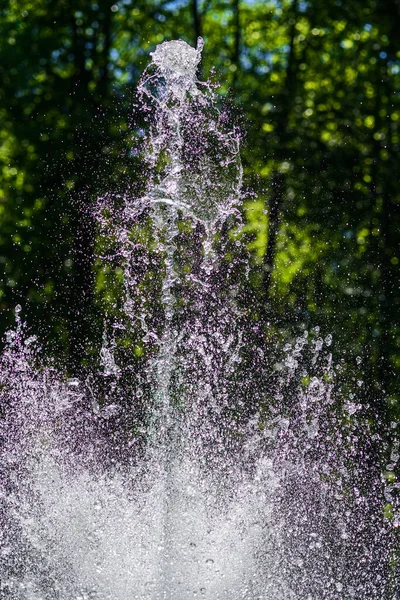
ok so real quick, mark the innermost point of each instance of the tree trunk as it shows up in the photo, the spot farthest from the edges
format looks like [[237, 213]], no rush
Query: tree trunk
[[197, 29], [274, 214], [236, 41], [88, 157], [278, 179]]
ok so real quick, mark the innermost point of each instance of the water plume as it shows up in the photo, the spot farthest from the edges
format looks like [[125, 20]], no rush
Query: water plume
[[213, 470]]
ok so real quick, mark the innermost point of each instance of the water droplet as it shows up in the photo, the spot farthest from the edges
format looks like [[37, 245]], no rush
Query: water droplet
[[352, 408], [110, 410], [318, 345]]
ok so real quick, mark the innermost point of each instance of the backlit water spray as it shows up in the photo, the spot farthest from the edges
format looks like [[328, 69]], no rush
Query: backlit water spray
[[214, 470]]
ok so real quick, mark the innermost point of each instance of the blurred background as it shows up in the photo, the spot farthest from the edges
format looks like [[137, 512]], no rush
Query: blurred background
[[315, 87]]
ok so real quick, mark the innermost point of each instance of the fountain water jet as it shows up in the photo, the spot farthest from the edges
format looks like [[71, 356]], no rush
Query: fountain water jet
[[251, 483]]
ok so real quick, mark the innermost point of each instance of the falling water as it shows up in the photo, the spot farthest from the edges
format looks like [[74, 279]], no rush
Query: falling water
[[221, 469]]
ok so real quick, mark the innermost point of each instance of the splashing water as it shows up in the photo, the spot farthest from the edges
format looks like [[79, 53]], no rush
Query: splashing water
[[212, 471]]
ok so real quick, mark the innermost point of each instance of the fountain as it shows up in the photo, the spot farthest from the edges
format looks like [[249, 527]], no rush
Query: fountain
[[214, 471]]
